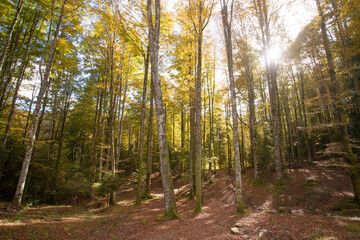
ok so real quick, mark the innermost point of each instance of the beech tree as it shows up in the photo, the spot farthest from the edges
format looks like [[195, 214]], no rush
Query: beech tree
[[154, 28], [202, 13], [227, 21]]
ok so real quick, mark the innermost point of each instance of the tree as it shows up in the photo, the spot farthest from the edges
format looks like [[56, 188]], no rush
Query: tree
[[154, 28], [203, 13], [263, 17], [227, 21], [44, 85], [19, 8], [339, 111]]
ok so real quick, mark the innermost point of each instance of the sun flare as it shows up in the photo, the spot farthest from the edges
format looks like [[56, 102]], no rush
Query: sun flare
[[274, 53]]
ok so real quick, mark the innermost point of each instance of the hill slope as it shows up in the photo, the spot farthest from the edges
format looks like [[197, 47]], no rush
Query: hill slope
[[313, 203]]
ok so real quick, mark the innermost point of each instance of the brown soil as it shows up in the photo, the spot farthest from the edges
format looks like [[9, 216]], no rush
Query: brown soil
[[313, 203]]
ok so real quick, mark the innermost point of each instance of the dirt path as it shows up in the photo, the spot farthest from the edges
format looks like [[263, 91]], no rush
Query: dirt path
[[299, 209]]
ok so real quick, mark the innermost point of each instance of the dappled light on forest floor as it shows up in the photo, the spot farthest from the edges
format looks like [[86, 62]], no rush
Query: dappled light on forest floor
[[299, 209]]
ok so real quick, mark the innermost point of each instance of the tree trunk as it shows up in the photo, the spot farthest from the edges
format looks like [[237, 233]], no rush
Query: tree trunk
[[111, 120], [102, 141], [228, 140], [192, 138], [169, 196], [8, 39], [334, 91], [61, 137], [94, 139], [142, 130], [242, 152], [228, 45], [307, 139], [252, 117], [149, 153], [122, 109], [210, 128], [261, 9], [23, 67]]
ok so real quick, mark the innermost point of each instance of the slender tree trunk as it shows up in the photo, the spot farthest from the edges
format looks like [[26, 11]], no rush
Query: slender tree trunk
[[198, 135], [101, 156], [118, 143], [228, 139], [307, 139], [149, 153], [123, 110], [334, 90], [111, 120], [41, 118], [192, 136], [10, 65], [44, 84], [94, 139], [288, 123], [182, 138], [210, 128], [261, 8], [8, 39], [169, 196], [61, 137], [252, 117], [23, 66], [142, 130], [242, 152], [28, 117], [228, 44]]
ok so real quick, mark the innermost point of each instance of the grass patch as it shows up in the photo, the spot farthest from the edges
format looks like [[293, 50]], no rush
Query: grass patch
[[276, 189], [280, 182], [147, 196], [258, 182], [355, 228], [345, 206], [310, 183], [4, 220], [160, 218], [318, 234]]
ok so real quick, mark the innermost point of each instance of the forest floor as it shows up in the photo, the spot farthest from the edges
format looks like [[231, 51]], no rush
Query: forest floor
[[313, 203]]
